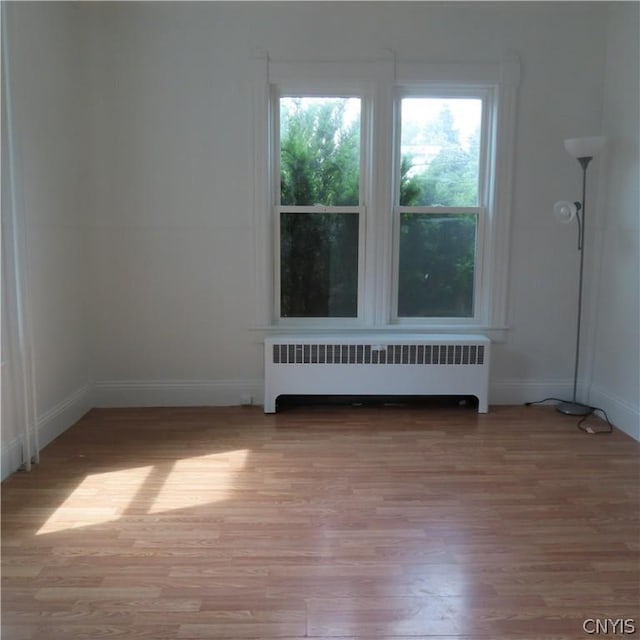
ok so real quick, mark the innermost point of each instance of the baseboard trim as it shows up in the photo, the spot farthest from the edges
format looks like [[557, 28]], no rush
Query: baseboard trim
[[177, 393], [622, 414], [513, 392], [180, 393], [173, 393], [10, 458], [50, 425], [59, 418]]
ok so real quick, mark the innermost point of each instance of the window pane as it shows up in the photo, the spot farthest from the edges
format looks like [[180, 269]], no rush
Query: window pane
[[318, 265], [440, 152], [319, 151], [437, 265]]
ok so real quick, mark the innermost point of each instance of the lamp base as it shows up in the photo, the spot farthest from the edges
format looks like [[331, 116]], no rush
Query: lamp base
[[574, 409]]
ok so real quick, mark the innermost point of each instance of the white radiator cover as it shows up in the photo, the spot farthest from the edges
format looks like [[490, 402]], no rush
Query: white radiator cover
[[377, 365]]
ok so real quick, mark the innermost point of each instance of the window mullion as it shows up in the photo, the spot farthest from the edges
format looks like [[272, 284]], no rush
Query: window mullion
[[380, 234]]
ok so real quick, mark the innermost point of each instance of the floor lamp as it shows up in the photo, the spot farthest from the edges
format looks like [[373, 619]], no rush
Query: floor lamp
[[583, 150]]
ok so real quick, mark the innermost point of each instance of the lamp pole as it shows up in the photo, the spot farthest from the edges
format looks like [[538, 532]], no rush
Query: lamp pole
[[575, 408]]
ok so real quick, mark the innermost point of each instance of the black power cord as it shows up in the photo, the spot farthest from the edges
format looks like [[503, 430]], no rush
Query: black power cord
[[586, 428]]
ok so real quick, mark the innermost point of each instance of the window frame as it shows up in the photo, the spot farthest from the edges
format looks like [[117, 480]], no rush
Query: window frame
[[377, 82]]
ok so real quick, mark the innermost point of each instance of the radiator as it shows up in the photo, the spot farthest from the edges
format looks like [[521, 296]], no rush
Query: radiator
[[377, 365]]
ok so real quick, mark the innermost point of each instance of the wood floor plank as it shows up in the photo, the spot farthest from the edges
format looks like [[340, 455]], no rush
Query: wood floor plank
[[322, 523]]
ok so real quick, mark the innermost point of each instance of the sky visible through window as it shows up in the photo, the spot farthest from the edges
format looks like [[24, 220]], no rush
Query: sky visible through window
[[424, 112]]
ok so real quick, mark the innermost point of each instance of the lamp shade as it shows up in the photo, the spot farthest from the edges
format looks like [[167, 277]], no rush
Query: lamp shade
[[584, 147], [564, 211]]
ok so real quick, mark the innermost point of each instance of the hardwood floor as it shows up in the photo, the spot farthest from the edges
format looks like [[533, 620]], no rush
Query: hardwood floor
[[333, 522]]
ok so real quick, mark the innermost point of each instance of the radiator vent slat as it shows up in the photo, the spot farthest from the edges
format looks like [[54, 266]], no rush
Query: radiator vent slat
[[412, 354]]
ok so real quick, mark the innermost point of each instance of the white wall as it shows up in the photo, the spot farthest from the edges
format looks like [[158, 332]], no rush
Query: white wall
[[616, 353], [171, 236], [49, 121]]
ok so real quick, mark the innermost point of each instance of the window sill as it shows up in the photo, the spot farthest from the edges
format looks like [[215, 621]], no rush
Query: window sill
[[495, 334]]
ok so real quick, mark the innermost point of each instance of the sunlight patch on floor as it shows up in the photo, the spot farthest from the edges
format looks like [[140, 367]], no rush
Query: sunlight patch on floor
[[188, 483], [100, 498], [197, 481]]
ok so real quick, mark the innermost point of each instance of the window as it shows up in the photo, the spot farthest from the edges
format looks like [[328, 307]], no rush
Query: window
[[319, 211], [389, 191], [439, 192]]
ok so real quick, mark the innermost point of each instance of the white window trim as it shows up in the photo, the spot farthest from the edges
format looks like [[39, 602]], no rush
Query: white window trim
[[381, 78]]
